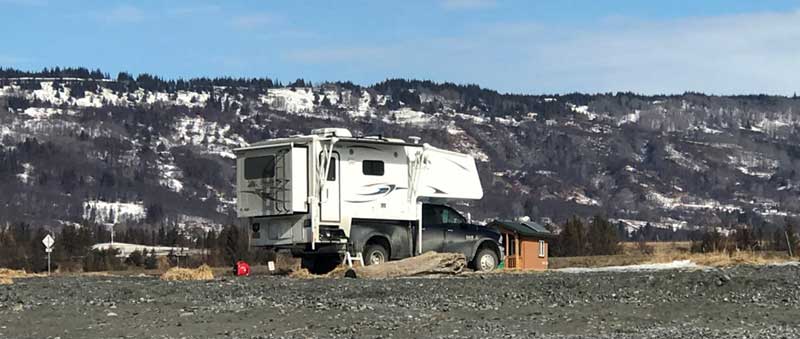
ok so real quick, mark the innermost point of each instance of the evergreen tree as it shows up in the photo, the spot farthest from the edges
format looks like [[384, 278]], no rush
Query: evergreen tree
[[572, 239], [602, 237]]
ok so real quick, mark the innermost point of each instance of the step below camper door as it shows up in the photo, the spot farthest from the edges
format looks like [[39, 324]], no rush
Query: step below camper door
[[330, 202]]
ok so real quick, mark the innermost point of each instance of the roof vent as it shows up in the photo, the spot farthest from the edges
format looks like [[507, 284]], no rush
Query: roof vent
[[332, 132]]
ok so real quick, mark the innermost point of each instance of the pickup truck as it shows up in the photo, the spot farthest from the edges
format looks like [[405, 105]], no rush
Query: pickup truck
[[443, 230]]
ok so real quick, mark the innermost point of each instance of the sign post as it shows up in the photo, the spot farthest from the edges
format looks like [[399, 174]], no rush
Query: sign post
[[48, 242]]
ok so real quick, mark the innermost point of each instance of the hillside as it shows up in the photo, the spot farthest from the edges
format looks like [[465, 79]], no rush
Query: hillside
[[78, 147]]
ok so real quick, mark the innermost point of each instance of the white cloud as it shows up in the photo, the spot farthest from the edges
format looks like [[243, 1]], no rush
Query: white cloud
[[732, 54], [467, 4], [251, 21]]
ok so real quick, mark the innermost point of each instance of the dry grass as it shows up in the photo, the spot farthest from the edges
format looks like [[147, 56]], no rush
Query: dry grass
[[722, 259], [664, 252], [303, 274], [6, 281], [9, 273], [203, 272], [96, 274]]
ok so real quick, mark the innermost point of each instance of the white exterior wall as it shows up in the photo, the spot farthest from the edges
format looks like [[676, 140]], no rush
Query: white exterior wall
[[375, 197]]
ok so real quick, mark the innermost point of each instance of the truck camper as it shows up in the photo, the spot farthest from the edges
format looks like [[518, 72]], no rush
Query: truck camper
[[329, 193]]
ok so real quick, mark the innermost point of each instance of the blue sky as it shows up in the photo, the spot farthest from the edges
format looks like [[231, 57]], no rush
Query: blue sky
[[533, 46]]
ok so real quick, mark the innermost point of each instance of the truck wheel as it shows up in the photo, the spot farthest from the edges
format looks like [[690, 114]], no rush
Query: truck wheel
[[375, 254], [485, 260]]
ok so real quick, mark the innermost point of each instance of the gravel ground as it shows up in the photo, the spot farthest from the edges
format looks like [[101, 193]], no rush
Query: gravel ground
[[742, 302]]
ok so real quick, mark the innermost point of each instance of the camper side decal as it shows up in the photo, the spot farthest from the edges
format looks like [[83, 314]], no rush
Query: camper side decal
[[374, 192]]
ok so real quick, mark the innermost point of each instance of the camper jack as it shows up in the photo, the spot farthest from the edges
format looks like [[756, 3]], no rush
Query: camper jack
[[328, 193]]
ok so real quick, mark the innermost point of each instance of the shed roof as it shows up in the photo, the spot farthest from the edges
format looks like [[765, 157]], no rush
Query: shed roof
[[527, 228]]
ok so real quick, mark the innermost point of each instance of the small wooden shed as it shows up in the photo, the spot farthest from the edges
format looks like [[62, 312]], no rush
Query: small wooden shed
[[525, 243]]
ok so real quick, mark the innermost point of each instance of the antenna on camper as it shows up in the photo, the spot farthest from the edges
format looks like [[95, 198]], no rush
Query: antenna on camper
[[415, 139]]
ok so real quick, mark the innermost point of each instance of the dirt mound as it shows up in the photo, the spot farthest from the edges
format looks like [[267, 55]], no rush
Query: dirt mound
[[201, 273]]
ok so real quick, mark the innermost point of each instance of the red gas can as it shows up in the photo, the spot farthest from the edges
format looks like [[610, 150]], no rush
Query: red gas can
[[242, 269]]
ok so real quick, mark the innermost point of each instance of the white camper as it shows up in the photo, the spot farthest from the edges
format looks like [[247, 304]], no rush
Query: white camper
[[331, 192]]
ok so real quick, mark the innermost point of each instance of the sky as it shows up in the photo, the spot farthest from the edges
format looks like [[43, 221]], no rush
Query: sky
[[526, 46]]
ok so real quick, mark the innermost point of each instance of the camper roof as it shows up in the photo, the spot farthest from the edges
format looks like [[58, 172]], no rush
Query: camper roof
[[341, 134]]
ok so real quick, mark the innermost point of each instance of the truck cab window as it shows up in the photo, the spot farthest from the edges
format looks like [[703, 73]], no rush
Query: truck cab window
[[259, 167], [451, 216], [438, 215]]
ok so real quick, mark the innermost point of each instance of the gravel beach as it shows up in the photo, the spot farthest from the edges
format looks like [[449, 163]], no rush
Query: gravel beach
[[740, 302]]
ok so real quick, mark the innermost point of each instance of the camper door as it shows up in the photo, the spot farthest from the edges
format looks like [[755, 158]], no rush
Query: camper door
[[330, 196], [271, 181]]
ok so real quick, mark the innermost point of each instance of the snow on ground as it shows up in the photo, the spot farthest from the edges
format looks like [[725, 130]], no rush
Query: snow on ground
[[705, 129], [50, 94], [409, 116], [112, 212], [106, 96], [126, 249], [672, 203], [191, 99], [198, 131], [683, 159], [583, 110], [299, 100], [631, 118], [581, 199], [26, 177], [632, 225], [364, 104], [507, 121], [754, 164], [189, 222], [675, 265], [475, 119], [170, 177], [44, 112], [464, 143]]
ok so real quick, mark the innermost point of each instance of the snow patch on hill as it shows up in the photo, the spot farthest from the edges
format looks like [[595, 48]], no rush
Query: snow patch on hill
[[631, 118], [584, 110], [26, 177], [195, 223], [170, 177], [674, 203], [215, 137], [684, 159], [408, 116], [112, 212], [298, 100]]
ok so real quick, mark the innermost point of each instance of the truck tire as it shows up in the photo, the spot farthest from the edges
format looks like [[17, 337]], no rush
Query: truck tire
[[486, 260], [375, 254]]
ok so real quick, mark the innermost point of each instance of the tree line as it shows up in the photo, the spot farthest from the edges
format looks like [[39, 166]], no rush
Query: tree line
[[21, 248]]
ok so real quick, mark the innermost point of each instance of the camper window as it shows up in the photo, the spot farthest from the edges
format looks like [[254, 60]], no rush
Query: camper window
[[372, 167], [332, 170], [259, 167]]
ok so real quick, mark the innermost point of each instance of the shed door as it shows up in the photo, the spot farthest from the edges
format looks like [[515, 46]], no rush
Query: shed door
[[330, 199]]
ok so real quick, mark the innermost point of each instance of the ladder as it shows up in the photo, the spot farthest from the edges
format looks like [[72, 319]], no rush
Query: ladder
[[349, 259], [279, 183]]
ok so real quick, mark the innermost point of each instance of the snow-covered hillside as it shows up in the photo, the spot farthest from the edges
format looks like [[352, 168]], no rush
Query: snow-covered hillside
[[127, 152]]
